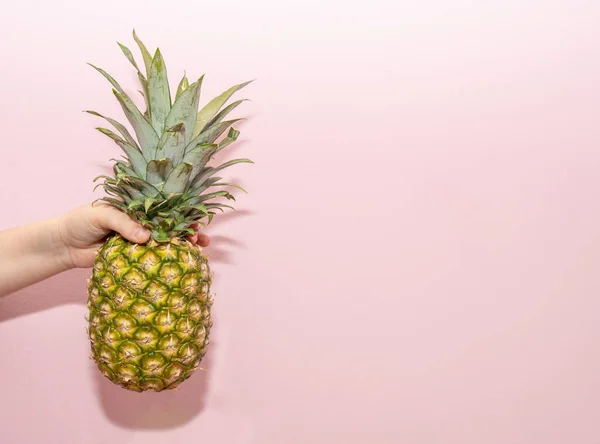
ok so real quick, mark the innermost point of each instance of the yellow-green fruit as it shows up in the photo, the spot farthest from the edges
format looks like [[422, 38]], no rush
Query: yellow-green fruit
[[149, 312]]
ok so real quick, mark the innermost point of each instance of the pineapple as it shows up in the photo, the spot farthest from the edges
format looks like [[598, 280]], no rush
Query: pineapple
[[150, 304]]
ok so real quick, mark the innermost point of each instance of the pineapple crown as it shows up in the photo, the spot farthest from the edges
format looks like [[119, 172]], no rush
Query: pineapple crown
[[163, 180]]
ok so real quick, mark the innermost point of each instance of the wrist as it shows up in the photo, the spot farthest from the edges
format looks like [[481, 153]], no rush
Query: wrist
[[60, 250]]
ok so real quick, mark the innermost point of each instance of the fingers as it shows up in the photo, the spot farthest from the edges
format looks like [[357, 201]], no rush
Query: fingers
[[202, 239], [110, 218], [198, 237]]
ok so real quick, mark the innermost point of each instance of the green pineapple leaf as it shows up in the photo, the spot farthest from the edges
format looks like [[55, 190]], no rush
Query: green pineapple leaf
[[159, 95], [129, 56], [199, 156], [135, 205], [183, 85], [123, 170], [224, 112], [231, 137], [110, 134], [219, 206], [210, 110], [211, 134], [158, 170], [192, 194], [205, 197], [124, 132], [114, 191], [146, 188], [135, 156], [144, 93], [145, 133], [226, 184], [108, 179], [171, 144], [145, 54], [114, 202], [133, 192], [148, 202], [207, 172], [108, 77], [178, 178], [185, 108], [197, 207]]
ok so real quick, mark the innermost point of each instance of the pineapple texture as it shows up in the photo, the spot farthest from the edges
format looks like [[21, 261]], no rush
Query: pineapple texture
[[149, 312]]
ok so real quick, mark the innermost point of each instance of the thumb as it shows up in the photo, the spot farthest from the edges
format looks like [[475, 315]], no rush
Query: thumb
[[115, 220]]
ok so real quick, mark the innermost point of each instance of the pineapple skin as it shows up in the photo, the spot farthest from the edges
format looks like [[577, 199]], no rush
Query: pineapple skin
[[149, 312]]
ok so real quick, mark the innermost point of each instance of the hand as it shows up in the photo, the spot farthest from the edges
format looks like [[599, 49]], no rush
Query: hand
[[82, 231]]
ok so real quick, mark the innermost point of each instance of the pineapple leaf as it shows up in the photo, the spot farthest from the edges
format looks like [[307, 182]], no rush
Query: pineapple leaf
[[199, 156], [198, 207], [124, 132], [145, 133], [199, 188], [115, 191], [193, 193], [110, 134], [219, 206], [145, 54], [226, 184], [114, 202], [209, 111], [144, 93], [184, 109], [171, 144], [183, 85], [207, 172], [178, 178], [108, 179], [135, 156], [129, 56], [211, 134], [122, 169], [146, 188], [231, 137], [224, 112], [158, 170], [133, 192], [108, 77], [135, 205], [159, 94], [148, 203], [205, 197]]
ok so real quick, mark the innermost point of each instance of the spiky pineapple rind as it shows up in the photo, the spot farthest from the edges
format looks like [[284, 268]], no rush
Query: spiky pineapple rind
[[149, 312]]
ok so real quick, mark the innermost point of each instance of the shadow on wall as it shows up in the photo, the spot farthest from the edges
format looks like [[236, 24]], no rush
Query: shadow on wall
[[128, 409]]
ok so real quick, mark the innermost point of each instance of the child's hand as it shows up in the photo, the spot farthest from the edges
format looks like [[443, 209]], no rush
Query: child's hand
[[82, 231]]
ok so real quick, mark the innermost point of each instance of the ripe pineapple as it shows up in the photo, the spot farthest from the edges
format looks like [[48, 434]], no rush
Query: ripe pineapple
[[150, 304]]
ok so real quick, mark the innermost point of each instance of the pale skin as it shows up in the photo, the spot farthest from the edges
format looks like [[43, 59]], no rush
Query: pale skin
[[36, 251]]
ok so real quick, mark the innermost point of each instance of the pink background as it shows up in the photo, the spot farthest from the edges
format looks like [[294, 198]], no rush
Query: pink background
[[417, 260]]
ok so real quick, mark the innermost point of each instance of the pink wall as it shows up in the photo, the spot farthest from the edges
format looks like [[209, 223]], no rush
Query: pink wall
[[417, 260]]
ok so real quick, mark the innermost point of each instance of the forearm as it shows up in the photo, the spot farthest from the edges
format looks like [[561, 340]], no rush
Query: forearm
[[29, 254]]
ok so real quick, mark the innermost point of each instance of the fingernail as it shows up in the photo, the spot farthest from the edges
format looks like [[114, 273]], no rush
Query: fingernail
[[141, 233]]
